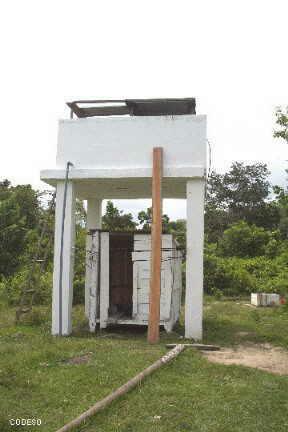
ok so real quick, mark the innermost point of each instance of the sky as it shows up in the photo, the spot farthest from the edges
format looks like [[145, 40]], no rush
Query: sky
[[230, 55]]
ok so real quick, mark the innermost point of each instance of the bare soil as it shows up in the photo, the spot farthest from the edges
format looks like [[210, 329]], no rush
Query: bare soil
[[82, 359], [261, 356]]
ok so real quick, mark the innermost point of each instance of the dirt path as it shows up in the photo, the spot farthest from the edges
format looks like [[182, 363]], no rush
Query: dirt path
[[260, 356]]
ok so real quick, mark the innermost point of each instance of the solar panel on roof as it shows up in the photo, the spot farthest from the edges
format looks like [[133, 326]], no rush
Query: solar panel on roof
[[133, 107]]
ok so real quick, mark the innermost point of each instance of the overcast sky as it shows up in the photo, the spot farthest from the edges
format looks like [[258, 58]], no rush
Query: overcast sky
[[231, 55]]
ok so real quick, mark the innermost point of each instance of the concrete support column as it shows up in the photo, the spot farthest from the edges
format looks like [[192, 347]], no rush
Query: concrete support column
[[94, 221], [94, 269], [63, 269], [194, 259]]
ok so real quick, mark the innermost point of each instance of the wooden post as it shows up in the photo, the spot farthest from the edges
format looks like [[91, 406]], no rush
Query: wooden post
[[156, 246], [93, 280], [93, 222], [104, 279]]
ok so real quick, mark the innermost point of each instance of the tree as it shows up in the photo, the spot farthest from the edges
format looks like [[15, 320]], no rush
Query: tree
[[117, 220], [282, 203], [240, 194], [243, 240], [178, 229], [19, 214], [282, 123], [145, 220], [241, 189], [281, 195], [216, 221]]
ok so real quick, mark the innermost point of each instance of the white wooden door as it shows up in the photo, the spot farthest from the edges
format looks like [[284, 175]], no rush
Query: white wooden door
[[141, 287]]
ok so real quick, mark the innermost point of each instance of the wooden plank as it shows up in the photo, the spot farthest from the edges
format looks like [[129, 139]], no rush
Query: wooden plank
[[156, 245], [93, 280], [93, 222], [200, 347], [104, 280], [135, 289]]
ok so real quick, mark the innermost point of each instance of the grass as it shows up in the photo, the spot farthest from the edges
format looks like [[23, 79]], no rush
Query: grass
[[190, 394]]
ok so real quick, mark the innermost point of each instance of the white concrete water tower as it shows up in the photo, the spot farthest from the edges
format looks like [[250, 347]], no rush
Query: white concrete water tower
[[110, 145]]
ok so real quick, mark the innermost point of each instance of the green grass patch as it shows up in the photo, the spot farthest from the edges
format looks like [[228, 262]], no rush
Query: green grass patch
[[38, 378]]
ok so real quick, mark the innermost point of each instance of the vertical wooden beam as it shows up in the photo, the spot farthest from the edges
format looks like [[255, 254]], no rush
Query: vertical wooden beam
[[104, 279], [94, 221], [156, 246], [94, 278]]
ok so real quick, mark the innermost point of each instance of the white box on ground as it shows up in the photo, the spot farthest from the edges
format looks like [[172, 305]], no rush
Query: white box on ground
[[264, 299]]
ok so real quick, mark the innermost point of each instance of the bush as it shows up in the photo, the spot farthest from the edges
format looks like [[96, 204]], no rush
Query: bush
[[79, 289], [241, 276], [3, 294], [243, 240], [42, 283], [227, 276], [79, 266]]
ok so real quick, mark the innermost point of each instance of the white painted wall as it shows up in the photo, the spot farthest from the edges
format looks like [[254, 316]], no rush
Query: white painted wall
[[141, 277], [127, 142], [112, 156]]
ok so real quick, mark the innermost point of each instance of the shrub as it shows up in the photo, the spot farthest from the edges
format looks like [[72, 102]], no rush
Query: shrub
[[227, 276], [3, 294], [78, 289], [278, 284], [79, 266], [42, 283], [241, 276], [243, 240], [272, 248]]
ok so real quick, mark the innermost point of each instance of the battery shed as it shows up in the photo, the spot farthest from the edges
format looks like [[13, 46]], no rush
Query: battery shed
[[104, 151], [121, 282]]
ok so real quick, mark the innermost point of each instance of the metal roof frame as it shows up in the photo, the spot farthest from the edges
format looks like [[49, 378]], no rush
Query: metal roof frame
[[133, 107]]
